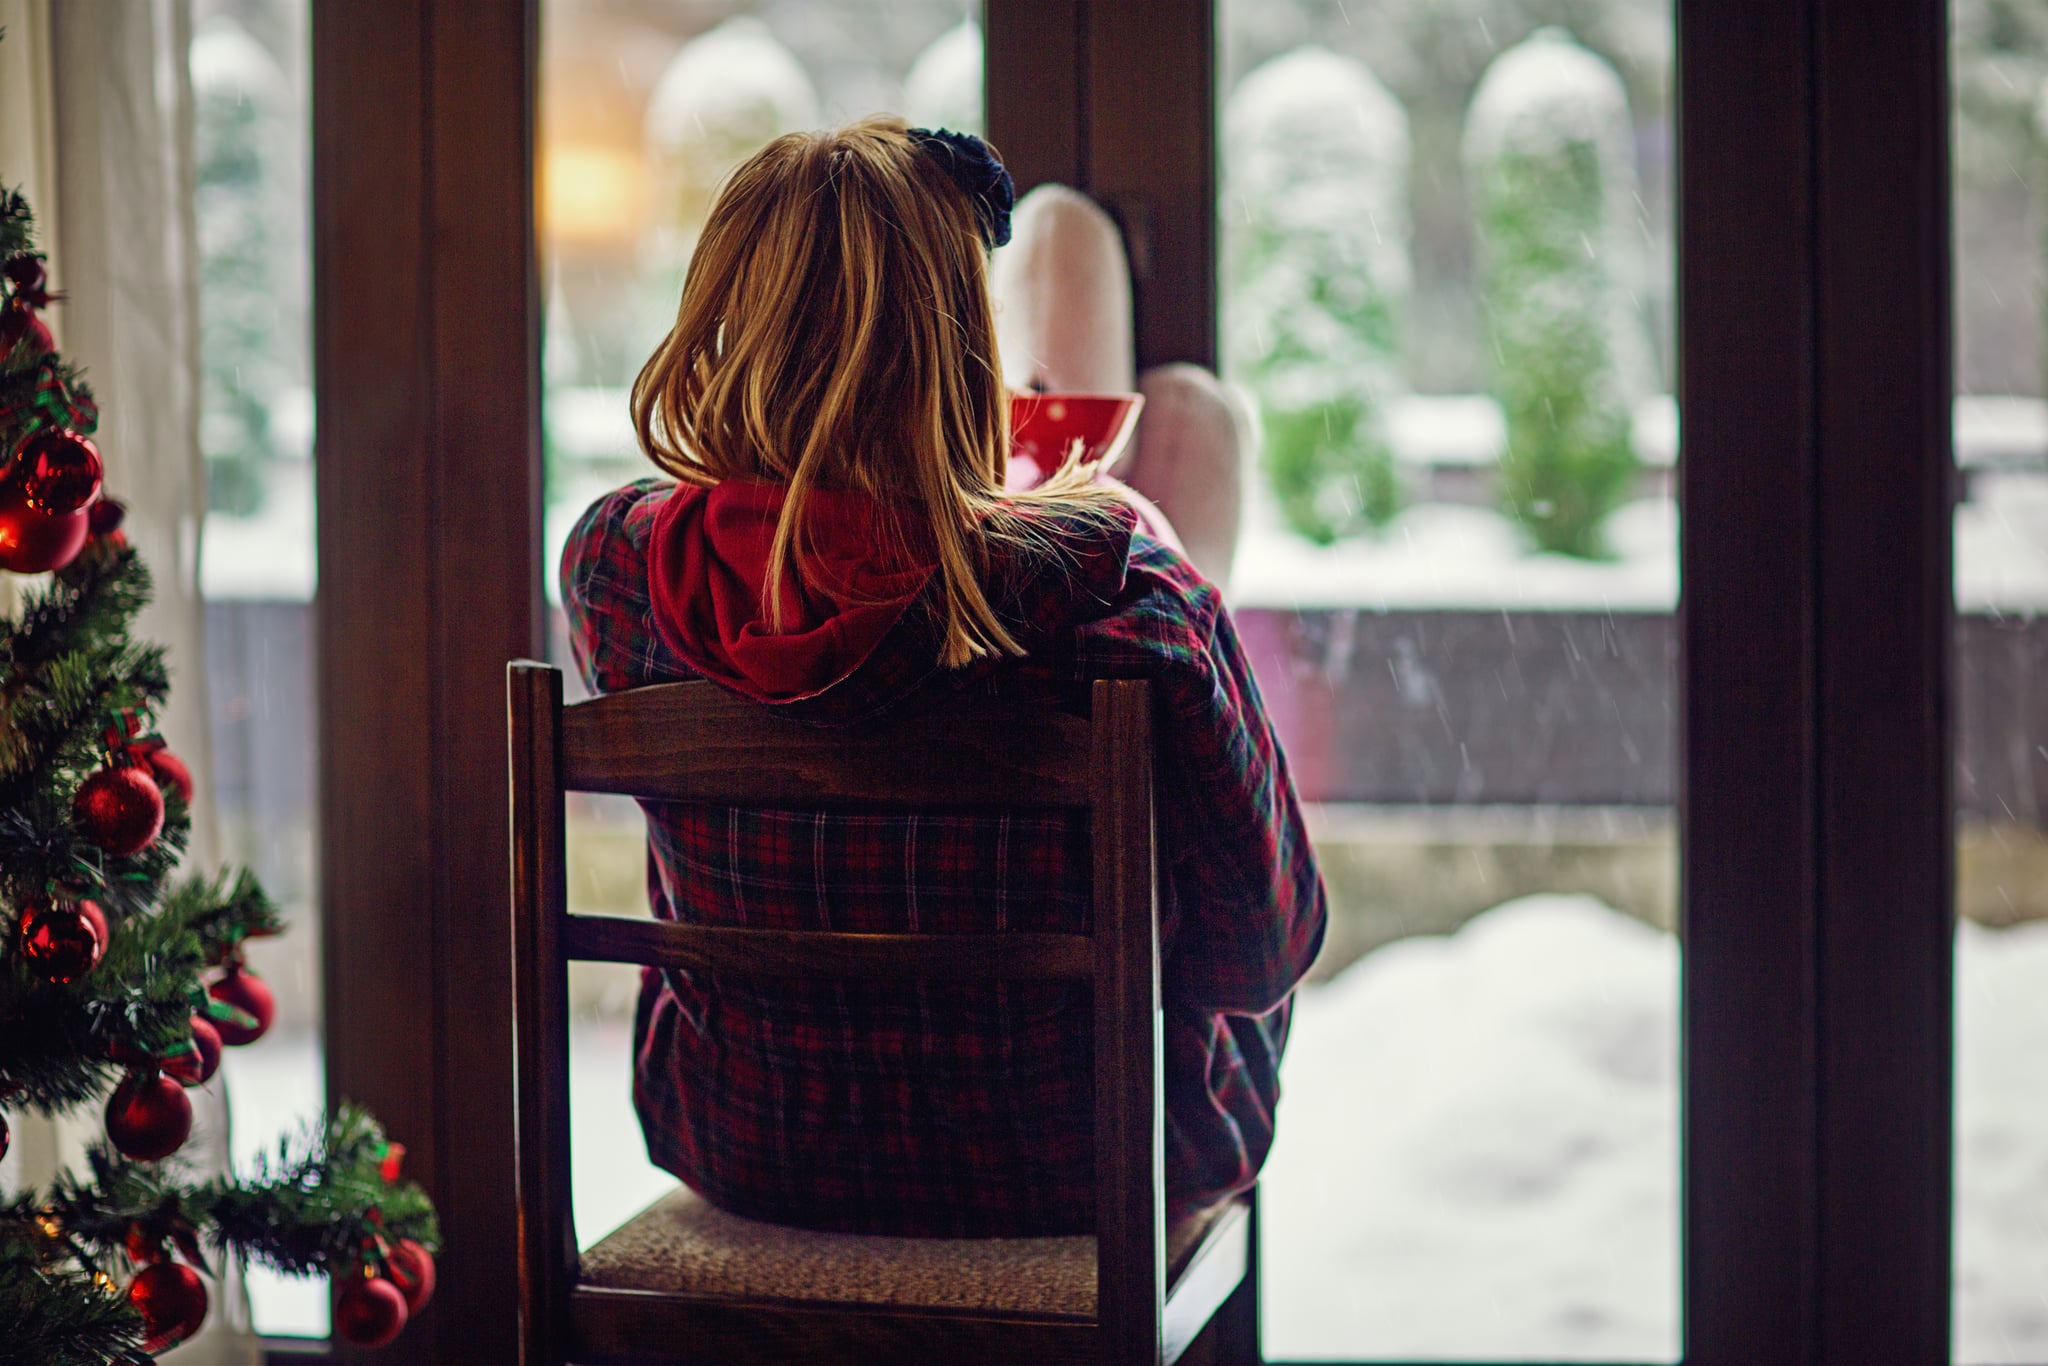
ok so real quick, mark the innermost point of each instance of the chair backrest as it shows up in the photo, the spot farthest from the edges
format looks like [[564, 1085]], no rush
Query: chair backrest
[[694, 742]]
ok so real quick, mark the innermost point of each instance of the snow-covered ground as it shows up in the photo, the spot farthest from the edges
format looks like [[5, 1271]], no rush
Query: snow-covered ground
[[1478, 1149]]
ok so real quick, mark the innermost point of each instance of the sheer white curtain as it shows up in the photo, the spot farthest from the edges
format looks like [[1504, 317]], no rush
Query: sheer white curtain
[[96, 122]]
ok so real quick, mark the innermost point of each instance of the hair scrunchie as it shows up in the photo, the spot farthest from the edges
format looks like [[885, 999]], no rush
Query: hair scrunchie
[[974, 167]]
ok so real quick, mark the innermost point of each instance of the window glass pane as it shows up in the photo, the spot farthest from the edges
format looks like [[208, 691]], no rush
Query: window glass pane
[[2000, 144], [252, 131], [644, 108], [1447, 289]]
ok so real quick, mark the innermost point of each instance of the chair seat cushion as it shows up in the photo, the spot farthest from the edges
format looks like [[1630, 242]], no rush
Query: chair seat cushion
[[683, 1244]]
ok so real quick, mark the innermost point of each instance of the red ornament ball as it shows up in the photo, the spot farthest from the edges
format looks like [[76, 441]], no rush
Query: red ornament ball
[[104, 517], [148, 1116], [62, 942], [197, 1070], [370, 1313], [172, 1301], [171, 774], [120, 809], [60, 472], [91, 911], [411, 1268], [27, 273], [245, 991], [20, 327], [33, 542], [6, 1138]]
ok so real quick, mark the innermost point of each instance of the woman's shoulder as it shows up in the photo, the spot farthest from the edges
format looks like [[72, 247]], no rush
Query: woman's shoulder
[[1166, 613], [605, 591], [621, 515]]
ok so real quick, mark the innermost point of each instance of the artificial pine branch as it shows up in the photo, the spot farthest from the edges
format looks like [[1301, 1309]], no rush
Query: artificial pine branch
[[319, 1204], [60, 1313], [58, 1044]]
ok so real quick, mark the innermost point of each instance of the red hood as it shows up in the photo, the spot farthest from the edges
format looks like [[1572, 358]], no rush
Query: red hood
[[708, 562]]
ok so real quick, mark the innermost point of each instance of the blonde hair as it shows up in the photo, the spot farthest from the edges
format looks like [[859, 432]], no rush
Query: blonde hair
[[836, 330]]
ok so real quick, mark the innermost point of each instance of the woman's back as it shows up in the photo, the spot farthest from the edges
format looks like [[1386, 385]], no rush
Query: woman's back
[[840, 546]]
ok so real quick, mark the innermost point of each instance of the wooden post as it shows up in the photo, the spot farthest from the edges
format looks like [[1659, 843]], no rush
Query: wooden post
[[428, 469], [1130, 1229]]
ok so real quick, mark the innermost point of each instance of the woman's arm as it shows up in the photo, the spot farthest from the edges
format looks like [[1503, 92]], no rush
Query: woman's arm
[[1246, 911]]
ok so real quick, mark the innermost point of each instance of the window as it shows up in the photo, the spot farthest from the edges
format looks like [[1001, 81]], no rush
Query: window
[[1999, 61], [1446, 285], [1815, 1034], [252, 140]]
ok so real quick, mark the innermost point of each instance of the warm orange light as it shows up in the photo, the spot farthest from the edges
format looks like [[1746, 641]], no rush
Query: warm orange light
[[591, 194]]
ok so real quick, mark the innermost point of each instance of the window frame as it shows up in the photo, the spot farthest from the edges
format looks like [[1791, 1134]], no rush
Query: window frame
[[1815, 804]]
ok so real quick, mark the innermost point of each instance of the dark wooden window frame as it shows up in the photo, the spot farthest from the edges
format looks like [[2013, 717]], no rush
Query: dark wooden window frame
[[1815, 803]]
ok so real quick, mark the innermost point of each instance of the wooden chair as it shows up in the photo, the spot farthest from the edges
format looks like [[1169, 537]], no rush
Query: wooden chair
[[684, 1281]]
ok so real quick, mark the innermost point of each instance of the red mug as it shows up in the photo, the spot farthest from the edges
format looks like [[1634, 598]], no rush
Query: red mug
[[1045, 427]]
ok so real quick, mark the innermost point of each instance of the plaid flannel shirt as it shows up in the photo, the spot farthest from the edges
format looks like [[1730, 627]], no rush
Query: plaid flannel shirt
[[965, 1110]]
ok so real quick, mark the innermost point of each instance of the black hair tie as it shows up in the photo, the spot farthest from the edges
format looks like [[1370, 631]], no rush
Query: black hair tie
[[974, 168]]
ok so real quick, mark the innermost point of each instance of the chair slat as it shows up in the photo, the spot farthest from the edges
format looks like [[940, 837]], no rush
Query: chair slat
[[854, 957], [540, 1003], [622, 1326], [1130, 1149], [696, 742]]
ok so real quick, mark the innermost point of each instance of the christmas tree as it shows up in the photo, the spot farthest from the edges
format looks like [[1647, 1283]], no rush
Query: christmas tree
[[119, 981]]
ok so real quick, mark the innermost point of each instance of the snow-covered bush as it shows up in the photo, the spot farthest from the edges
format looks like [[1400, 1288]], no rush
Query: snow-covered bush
[[1547, 151], [1316, 224], [251, 231], [728, 92], [942, 89]]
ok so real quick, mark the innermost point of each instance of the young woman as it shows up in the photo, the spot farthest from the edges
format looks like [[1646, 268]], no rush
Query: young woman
[[835, 542]]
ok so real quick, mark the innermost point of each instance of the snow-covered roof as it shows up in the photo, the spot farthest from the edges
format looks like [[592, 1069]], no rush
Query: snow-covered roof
[[1435, 555]]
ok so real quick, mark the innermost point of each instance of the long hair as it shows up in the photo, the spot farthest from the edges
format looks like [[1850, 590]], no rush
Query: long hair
[[836, 331]]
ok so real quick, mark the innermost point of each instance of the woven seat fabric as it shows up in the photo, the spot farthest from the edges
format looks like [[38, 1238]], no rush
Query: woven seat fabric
[[684, 1244]]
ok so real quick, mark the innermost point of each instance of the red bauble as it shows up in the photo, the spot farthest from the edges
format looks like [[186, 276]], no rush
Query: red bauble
[[370, 1313], [243, 990], [120, 809], [91, 911], [27, 273], [60, 472], [104, 517], [412, 1270], [6, 1138], [171, 774], [61, 942], [148, 1116], [20, 327], [172, 1301], [33, 542], [191, 1070]]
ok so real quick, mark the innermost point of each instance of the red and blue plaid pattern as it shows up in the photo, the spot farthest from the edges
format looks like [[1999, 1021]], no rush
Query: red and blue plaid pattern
[[965, 1110]]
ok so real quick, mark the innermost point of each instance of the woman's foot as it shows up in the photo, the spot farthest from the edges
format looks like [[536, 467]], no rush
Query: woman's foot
[[1063, 297], [1189, 457], [1063, 323]]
